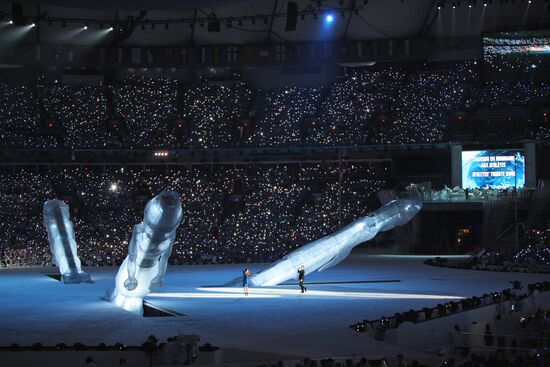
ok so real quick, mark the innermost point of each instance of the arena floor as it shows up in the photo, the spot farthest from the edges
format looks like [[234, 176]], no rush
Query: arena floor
[[275, 320]]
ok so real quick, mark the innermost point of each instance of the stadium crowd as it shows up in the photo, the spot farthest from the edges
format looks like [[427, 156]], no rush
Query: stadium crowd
[[534, 254], [234, 214], [231, 214], [388, 106]]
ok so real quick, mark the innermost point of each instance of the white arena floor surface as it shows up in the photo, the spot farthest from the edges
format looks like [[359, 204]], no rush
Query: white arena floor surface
[[276, 321]]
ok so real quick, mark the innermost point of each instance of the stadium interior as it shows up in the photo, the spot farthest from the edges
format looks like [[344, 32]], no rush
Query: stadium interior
[[278, 123]]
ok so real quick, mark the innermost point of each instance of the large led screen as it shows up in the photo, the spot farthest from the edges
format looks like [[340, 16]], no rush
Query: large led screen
[[493, 168]]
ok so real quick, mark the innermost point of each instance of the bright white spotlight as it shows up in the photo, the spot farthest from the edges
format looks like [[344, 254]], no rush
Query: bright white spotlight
[[329, 18], [33, 25], [226, 292], [85, 27], [110, 28], [10, 22]]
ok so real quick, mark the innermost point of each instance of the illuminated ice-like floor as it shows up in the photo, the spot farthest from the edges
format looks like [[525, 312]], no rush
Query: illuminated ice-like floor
[[37, 308]]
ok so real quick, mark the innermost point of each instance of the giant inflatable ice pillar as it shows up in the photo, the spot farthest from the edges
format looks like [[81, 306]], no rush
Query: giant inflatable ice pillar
[[62, 242], [328, 251], [150, 247]]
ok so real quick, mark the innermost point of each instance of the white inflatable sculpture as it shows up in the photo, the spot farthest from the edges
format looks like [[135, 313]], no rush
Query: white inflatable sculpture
[[62, 242], [328, 251], [143, 269]]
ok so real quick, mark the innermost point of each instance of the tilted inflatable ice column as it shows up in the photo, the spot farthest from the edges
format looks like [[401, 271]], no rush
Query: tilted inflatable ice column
[[328, 251], [62, 242], [143, 269]]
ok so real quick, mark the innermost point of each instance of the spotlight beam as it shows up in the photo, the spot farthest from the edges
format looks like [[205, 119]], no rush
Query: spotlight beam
[[232, 292], [424, 26], [13, 33], [348, 22], [270, 30]]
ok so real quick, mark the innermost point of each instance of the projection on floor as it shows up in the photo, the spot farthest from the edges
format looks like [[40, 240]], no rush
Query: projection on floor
[[328, 251], [62, 242], [143, 269]]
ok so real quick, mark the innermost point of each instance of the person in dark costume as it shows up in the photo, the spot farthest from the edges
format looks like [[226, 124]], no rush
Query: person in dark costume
[[301, 278]]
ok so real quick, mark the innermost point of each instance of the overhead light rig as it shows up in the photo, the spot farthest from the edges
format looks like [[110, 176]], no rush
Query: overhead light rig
[[228, 21]]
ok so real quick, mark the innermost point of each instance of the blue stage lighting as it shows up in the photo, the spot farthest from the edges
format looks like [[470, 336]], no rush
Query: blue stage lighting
[[329, 18]]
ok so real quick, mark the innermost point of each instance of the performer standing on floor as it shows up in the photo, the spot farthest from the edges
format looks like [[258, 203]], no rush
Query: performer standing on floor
[[301, 277], [246, 275]]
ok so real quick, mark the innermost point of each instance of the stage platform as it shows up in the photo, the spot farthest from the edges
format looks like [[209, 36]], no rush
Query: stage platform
[[278, 320]]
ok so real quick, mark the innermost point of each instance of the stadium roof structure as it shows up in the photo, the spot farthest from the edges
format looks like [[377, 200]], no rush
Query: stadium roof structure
[[211, 22]]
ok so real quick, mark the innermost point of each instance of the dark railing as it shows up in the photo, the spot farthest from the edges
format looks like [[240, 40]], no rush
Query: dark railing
[[446, 309]]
